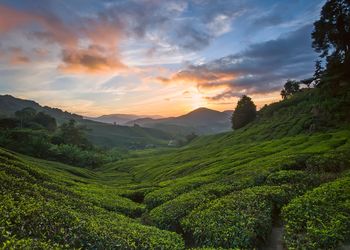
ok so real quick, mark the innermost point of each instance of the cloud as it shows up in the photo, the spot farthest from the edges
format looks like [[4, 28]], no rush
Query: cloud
[[11, 18], [261, 68], [91, 60]]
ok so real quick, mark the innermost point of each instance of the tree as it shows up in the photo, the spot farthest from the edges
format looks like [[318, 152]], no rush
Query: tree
[[72, 134], [284, 94], [307, 82], [245, 112], [318, 73], [331, 37], [290, 87], [25, 115], [46, 121]]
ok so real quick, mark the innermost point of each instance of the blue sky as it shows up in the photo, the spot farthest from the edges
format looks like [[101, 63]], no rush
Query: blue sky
[[152, 56]]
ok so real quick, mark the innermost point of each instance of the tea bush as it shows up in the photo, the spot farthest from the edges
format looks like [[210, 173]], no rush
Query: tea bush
[[320, 219], [239, 220]]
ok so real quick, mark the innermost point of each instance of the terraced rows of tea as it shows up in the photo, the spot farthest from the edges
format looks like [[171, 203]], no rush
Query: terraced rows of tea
[[223, 191]]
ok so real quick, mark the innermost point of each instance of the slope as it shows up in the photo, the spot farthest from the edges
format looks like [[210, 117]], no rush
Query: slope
[[290, 168], [200, 121], [101, 134]]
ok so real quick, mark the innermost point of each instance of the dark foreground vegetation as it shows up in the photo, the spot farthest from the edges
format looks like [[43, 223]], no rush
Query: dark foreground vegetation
[[289, 167]]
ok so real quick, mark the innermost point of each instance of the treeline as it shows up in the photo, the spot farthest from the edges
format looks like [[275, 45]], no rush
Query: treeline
[[37, 134], [331, 79]]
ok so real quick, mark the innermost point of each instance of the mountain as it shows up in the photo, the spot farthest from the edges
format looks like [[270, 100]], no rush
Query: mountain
[[9, 105], [102, 134], [281, 182], [201, 121], [120, 118]]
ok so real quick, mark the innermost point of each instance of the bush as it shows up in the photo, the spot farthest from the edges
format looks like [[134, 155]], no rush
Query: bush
[[76, 156], [335, 162], [168, 215], [238, 220], [290, 177], [167, 193], [38, 213], [320, 219]]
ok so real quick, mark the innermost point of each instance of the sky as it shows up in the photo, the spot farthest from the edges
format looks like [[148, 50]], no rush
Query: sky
[[153, 57]]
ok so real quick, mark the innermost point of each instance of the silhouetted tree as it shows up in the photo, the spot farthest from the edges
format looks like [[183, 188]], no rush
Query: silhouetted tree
[[331, 37], [283, 94], [307, 82], [318, 73], [245, 112], [290, 87], [46, 121]]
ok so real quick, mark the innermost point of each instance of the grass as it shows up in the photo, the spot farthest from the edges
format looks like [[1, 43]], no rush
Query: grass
[[221, 191]]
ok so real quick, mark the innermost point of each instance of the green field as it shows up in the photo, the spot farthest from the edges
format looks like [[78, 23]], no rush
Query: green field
[[227, 190]]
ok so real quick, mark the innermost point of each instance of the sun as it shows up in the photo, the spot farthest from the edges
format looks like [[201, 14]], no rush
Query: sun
[[197, 101]]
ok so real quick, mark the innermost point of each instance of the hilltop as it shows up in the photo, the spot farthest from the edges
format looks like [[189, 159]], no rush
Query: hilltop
[[200, 121], [120, 119], [101, 134], [288, 171]]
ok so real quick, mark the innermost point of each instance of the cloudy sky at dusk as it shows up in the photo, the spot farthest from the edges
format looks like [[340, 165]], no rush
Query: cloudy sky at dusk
[[98, 57]]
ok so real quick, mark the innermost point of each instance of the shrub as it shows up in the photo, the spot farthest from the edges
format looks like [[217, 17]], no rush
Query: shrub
[[320, 219], [238, 220], [334, 162], [38, 213], [168, 215], [171, 191]]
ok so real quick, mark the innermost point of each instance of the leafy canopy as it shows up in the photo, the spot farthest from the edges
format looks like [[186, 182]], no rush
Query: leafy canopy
[[244, 113], [331, 37], [290, 87]]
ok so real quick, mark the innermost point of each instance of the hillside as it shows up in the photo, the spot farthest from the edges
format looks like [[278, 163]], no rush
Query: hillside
[[101, 134], [286, 174], [201, 121], [9, 105], [120, 119]]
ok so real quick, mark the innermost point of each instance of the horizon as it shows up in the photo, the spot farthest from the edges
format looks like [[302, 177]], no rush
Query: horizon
[[150, 58]]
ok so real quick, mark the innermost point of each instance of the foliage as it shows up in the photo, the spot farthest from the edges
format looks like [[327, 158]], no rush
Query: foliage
[[73, 134], [46, 121], [38, 210], [25, 115], [238, 220], [168, 215], [244, 113], [331, 38], [290, 88], [320, 219], [223, 190]]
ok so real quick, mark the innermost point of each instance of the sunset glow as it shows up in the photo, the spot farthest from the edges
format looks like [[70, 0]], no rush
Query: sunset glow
[[153, 57]]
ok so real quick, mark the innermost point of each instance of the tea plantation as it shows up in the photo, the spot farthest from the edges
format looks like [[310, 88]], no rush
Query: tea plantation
[[225, 191]]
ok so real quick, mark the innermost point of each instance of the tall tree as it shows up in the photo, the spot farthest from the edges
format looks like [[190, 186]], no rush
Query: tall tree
[[46, 121], [25, 115], [290, 87], [245, 112], [71, 133], [331, 37]]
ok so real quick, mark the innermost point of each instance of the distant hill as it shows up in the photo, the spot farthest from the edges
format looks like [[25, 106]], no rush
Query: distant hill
[[200, 121], [102, 134], [9, 105], [119, 118]]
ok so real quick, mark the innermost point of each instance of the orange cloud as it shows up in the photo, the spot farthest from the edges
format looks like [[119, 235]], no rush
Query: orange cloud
[[15, 56], [92, 60], [202, 78], [100, 55], [11, 18]]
